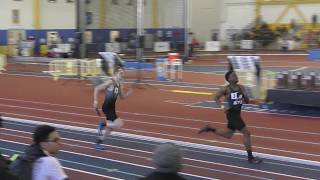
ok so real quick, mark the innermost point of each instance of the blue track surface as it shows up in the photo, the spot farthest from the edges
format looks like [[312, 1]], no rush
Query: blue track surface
[[124, 170]]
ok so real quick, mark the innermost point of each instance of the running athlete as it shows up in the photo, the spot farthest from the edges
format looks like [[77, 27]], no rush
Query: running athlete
[[113, 88], [235, 95]]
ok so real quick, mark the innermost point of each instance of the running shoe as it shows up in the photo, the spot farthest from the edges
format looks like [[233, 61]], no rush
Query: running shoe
[[255, 161], [101, 127], [100, 146], [207, 128]]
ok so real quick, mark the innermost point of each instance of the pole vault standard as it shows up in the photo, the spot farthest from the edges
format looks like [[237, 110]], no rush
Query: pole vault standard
[[186, 22], [140, 35]]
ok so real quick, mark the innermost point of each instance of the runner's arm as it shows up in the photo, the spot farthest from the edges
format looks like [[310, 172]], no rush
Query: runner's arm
[[221, 93], [97, 89]]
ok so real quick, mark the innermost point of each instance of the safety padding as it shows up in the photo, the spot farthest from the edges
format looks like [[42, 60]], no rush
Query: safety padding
[[61, 67], [90, 68], [3, 62]]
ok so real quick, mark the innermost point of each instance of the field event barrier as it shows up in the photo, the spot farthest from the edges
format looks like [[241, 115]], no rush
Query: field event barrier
[[296, 97], [161, 65], [144, 67], [64, 67], [257, 87], [212, 46], [246, 69], [3, 62], [90, 68], [174, 65]]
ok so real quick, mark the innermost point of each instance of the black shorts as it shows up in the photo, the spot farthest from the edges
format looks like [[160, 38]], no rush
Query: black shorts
[[235, 121], [109, 109]]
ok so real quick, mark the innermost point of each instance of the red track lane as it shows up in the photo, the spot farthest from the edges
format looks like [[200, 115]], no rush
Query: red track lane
[[70, 92], [273, 134]]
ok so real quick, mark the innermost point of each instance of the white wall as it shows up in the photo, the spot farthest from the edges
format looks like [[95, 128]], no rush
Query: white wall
[[170, 13], [309, 10], [205, 16], [121, 15], [59, 15], [238, 13], [148, 19], [235, 15], [26, 16], [270, 13], [94, 7]]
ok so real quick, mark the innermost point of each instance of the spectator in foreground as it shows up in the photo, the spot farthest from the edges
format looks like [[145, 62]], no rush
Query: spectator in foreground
[[38, 161], [167, 159]]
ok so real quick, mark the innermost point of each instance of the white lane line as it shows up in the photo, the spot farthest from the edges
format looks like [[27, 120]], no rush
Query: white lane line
[[219, 164], [167, 117], [153, 83], [159, 124], [262, 112], [299, 69], [181, 143], [174, 102], [85, 172], [254, 54], [107, 159], [187, 138], [72, 169], [170, 117], [151, 144]]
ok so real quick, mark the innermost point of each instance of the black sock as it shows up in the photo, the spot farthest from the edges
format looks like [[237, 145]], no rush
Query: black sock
[[0, 120], [213, 129], [99, 141], [250, 156]]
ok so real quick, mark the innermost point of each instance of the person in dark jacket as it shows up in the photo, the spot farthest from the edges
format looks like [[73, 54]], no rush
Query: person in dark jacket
[[167, 159], [5, 174], [38, 161]]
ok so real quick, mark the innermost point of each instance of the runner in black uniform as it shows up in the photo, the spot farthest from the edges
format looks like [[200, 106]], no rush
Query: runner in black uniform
[[235, 95], [113, 88]]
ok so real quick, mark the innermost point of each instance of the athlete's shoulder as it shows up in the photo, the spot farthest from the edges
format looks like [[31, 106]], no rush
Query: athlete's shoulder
[[241, 87], [225, 86]]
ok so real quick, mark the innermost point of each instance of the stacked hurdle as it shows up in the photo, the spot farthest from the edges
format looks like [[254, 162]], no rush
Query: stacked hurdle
[[171, 65], [62, 67], [90, 68], [3, 62], [174, 64], [245, 67], [75, 67]]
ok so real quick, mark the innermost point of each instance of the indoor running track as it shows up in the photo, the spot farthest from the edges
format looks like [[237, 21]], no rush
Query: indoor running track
[[129, 156]]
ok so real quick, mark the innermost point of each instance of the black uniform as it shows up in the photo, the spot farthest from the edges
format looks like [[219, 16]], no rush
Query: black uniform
[[235, 99], [109, 105]]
